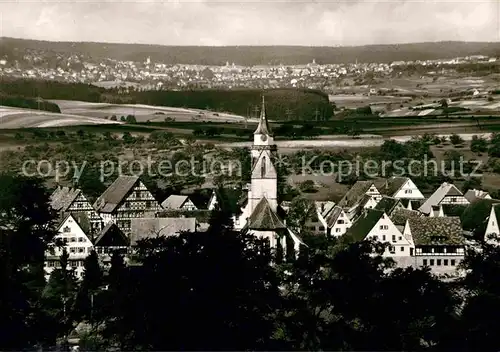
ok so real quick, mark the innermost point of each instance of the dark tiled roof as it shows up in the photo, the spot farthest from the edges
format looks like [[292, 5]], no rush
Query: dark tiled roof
[[63, 197], [111, 235], [436, 231], [355, 194], [387, 204], [446, 189], [264, 218], [399, 216], [363, 225], [333, 216], [474, 194], [174, 201], [393, 185], [115, 194], [476, 213], [454, 209]]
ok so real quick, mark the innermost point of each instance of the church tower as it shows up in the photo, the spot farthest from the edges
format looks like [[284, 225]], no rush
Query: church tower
[[264, 177]]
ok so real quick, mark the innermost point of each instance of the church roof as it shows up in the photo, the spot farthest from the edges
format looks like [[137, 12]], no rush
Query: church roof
[[264, 218], [263, 127]]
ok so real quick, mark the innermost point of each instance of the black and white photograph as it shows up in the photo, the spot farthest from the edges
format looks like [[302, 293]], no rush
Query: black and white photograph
[[221, 175]]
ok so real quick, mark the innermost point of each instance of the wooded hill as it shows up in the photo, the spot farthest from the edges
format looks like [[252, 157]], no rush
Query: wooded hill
[[254, 55]]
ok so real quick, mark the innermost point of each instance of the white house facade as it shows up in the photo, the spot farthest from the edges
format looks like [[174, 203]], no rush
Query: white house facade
[[77, 244]]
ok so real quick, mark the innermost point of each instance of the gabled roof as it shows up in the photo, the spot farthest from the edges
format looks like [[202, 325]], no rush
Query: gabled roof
[[474, 194], [264, 218], [263, 127], [477, 213], [74, 218], [387, 204], [355, 194], [446, 189], [111, 235], [174, 201], [436, 231], [393, 185], [364, 224], [115, 194], [333, 216], [142, 228], [63, 197], [399, 216]]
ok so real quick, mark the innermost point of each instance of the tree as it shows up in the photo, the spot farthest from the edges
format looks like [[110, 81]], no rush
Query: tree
[[478, 144], [90, 287], [60, 296], [455, 139], [131, 119], [210, 276]]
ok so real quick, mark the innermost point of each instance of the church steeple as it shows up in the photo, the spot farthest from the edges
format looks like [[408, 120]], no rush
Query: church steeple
[[263, 127]]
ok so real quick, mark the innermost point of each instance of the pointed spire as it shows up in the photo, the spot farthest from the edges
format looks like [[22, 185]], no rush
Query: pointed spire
[[263, 127]]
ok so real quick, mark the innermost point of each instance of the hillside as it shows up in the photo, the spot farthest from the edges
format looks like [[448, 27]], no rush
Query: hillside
[[289, 104], [254, 55]]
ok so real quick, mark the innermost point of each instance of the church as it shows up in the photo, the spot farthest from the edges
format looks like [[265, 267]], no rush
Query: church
[[260, 209]]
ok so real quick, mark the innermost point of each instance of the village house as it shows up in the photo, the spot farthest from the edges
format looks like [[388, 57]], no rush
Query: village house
[[376, 225], [362, 195], [337, 222], [74, 240], [111, 239], [125, 199], [401, 188], [439, 243], [474, 194], [71, 200], [447, 193], [178, 202]]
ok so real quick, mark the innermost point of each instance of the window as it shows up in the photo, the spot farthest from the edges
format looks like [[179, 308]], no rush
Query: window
[[407, 191], [375, 238], [337, 230], [263, 167], [81, 239], [452, 262], [72, 239], [392, 249], [402, 249], [445, 262], [321, 228], [384, 227], [73, 263], [425, 262], [383, 237], [393, 238], [138, 194], [81, 250], [79, 205], [431, 262], [148, 204], [340, 221], [438, 262], [453, 199], [67, 229], [72, 250], [411, 251], [400, 238]]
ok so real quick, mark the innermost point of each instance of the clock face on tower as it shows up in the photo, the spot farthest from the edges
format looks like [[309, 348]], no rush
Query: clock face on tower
[[263, 138]]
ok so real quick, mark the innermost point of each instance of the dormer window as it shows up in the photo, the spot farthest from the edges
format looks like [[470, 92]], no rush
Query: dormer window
[[67, 229]]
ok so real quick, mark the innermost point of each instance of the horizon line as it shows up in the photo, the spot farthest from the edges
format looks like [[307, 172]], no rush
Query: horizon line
[[251, 45]]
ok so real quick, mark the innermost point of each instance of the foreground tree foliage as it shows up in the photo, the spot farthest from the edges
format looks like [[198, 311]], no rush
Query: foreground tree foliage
[[222, 290]]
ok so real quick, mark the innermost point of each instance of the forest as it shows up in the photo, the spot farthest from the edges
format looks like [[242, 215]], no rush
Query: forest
[[225, 290], [292, 104], [254, 55]]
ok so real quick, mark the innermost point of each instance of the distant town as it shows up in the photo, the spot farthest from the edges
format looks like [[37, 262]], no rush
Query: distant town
[[150, 74]]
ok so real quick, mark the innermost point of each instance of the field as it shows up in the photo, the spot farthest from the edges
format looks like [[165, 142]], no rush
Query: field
[[24, 118], [143, 113]]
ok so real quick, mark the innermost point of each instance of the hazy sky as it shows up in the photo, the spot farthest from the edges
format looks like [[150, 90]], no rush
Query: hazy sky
[[252, 22]]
